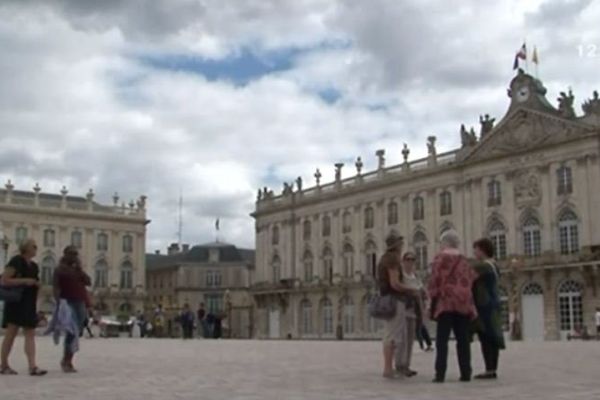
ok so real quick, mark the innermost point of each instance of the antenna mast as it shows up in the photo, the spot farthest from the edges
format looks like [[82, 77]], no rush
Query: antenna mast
[[180, 220]]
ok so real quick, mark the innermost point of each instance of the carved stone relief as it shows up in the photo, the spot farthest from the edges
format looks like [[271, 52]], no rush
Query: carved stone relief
[[527, 188]]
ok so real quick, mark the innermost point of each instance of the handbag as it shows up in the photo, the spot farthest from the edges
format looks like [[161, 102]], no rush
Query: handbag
[[11, 294], [382, 307]]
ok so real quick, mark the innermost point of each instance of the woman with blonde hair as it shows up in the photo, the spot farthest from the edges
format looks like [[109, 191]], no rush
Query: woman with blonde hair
[[21, 272]]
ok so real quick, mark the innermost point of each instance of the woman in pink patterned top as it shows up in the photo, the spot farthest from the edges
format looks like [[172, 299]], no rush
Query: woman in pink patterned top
[[452, 305]]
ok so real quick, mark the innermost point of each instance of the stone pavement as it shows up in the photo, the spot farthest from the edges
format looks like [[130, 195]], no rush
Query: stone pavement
[[149, 369]]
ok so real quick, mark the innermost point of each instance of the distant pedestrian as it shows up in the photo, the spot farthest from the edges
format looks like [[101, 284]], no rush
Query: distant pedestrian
[[23, 272], [140, 320], [487, 300], [202, 322], [452, 305], [598, 323], [186, 319]]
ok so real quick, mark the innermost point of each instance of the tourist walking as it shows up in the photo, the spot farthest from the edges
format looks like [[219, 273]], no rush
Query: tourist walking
[[203, 328], [389, 272], [186, 319], [413, 314], [21, 272], [70, 283], [452, 305], [487, 300]]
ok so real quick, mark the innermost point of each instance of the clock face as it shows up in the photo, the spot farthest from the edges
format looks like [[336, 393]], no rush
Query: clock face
[[522, 94]]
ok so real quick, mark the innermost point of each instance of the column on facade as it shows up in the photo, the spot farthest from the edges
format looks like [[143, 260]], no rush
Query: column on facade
[[546, 209], [551, 328], [466, 207], [582, 190], [594, 196], [551, 216], [431, 222], [405, 220]]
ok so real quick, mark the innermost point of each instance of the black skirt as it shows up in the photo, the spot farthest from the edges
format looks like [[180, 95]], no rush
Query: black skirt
[[24, 312]]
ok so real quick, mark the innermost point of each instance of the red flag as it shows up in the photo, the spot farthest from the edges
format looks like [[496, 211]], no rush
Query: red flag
[[522, 54]]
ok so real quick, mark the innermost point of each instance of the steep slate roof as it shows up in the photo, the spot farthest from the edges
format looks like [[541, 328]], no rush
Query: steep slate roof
[[199, 254]]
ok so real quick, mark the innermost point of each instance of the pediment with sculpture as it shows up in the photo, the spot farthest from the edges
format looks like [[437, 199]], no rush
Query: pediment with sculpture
[[525, 130]]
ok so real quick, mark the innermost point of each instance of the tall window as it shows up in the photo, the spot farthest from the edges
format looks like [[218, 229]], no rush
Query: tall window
[[275, 236], [102, 244], [568, 232], [306, 231], [126, 275], [328, 265], [347, 222], [418, 208], [214, 303], [213, 279], [445, 203], [392, 213], [570, 305], [348, 315], [49, 238], [306, 317], [369, 218], [371, 261], [327, 308], [494, 193], [326, 228], [77, 239], [308, 267], [348, 261], [276, 270], [532, 238], [20, 235], [564, 178], [497, 234], [420, 246], [101, 275], [47, 272], [127, 244]]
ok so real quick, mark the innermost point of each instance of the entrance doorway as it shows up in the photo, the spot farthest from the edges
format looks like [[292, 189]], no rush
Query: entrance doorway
[[532, 311], [274, 332]]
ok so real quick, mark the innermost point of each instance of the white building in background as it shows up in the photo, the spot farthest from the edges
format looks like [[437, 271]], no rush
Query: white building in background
[[528, 182], [111, 239]]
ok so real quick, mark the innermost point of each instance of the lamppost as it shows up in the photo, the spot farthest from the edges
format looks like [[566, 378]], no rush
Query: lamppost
[[515, 323], [229, 306]]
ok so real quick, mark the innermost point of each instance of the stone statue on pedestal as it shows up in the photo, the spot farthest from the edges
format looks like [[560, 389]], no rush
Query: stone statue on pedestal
[[359, 166], [565, 104], [487, 124]]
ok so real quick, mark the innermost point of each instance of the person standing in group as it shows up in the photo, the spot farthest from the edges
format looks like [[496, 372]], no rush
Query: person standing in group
[[413, 314], [186, 319], [389, 272], [21, 271], [450, 291], [598, 323], [70, 283], [203, 328], [487, 300]]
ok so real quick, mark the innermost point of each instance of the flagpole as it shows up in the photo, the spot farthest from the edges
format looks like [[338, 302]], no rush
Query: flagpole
[[526, 58]]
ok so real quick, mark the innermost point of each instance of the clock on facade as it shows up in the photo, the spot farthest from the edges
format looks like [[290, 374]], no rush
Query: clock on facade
[[522, 94]]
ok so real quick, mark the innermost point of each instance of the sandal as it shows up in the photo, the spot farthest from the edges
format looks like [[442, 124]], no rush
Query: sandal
[[35, 371], [8, 371]]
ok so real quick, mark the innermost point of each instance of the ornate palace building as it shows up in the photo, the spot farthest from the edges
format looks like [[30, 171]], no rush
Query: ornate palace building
[[111, 239], [527, 182]]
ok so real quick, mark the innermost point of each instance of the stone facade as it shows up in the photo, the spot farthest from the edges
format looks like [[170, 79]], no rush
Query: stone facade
[[526, 182], [216, 274], [111, 240]]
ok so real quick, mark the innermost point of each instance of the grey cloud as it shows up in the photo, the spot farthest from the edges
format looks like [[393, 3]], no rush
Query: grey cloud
[[558, 14]]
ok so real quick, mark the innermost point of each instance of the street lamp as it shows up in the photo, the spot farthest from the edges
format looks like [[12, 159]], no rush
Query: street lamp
[[4, 242]]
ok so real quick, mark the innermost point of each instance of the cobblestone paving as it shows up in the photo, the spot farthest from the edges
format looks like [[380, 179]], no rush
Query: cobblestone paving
[[151, 369]]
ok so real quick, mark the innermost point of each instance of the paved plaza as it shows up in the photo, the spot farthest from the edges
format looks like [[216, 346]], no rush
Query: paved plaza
[[287, 370]]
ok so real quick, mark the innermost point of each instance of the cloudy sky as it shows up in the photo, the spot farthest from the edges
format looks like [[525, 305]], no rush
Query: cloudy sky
[[217, 98]]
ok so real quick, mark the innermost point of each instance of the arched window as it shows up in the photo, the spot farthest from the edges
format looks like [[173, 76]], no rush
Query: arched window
[[445, 203], [392, 213], [418, 208], [102, 242], [494, 193], [127, 244], [497, 234], [308, 266], [532, 237], [347, 222], [327, 310], [101, 275], [126, 275], [369, 218], [348, 315], [326, 228], [306, 230], [276, 270], [306, 317], [504, 310], [564, 180], [47, 273], [348, 259], [77, 239], [275, 235], [420, 246], [49, 238], [533, 288], [328, 265], [568, 232], [371, 255], [570, 305]]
